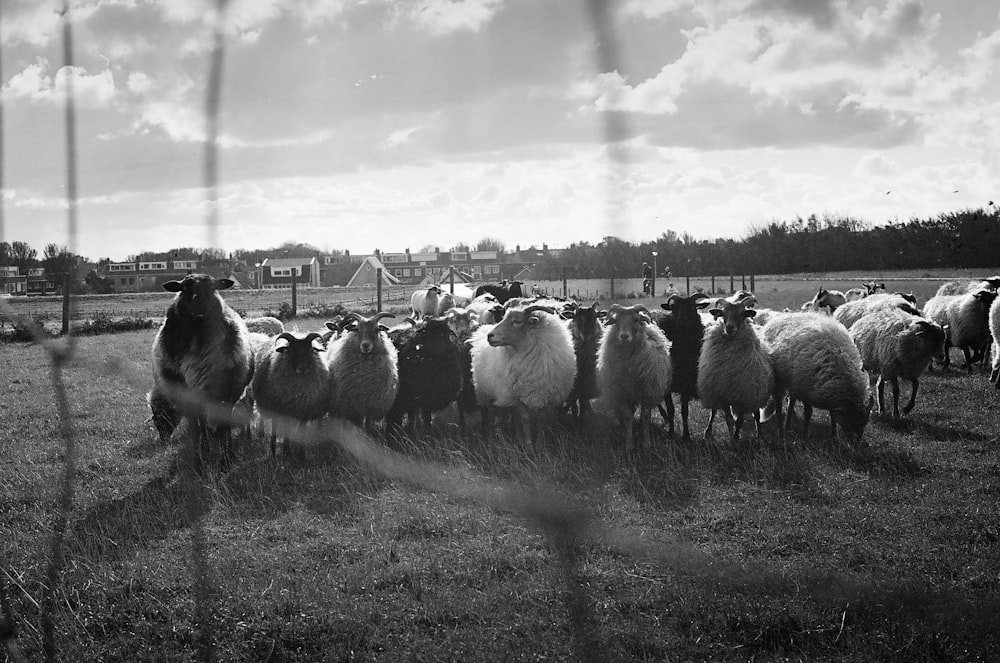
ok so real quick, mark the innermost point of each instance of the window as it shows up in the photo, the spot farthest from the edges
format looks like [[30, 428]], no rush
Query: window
[[121, 267], [397, 272], [148, 266], [185, 264], [459, 256], [285, 271], [493, 269], [393, 257], [406, 272], [418, 272]]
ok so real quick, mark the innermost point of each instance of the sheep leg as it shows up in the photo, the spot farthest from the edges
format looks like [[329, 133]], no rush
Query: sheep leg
[[880, 388], [970, 358], [668, 416], [732, 423], [788, 413], [686, 435], [895, 398], [711, 421], [913, 397], [807, 413], [645, 418], [629, 443], [756, 425], [165, 415]]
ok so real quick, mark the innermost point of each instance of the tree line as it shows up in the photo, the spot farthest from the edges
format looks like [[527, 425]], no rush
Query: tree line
[[964, 239]]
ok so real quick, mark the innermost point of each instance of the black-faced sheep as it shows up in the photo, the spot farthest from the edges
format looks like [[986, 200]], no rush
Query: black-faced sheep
[[525, 362], [633, 367], [291, 381], [894, 344], [363, 368], [430, 371], [816, 361], [965, 319], [585, 328], [684, 329], [735, 374], [201, 358]]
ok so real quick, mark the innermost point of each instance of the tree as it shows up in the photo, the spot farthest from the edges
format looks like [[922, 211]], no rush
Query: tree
[[461, 247], [4, 253], [22, 255], [98, 284], [58, 261], [491, 244]]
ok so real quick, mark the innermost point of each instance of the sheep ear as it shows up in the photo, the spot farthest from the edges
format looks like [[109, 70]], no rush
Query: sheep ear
[[749, 313], [173, 286], [716, 312], [224, 284]]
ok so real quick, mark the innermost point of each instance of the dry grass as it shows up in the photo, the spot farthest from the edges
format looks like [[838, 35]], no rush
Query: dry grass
[[491, 549]]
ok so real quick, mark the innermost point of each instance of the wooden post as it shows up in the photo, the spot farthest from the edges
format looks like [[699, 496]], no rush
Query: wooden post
[[451, 279], [295, 300], [612, 287], [687, 285], [744, 277], [752, 284], [65, 325], [564, 281], [713, 284], [378, 288], [732, 289]]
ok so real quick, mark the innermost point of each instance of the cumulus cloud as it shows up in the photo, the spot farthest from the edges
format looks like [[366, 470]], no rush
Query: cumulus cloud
[[444, 16], [875, 165], [36, 85]]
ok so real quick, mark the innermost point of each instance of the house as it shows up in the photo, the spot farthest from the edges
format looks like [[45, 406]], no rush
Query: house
[[367, 274], [276, 273], [415, 268], [146, 275]]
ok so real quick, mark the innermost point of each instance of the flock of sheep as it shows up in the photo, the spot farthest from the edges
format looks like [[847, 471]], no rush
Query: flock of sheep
[[544, 361]]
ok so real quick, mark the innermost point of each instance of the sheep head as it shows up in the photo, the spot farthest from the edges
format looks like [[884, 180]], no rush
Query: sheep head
[[367, 331], [585, 322], [627, 321], [460, 320], [733, 316], [931, 337], [196, 294], [517, 325], [299, 350]]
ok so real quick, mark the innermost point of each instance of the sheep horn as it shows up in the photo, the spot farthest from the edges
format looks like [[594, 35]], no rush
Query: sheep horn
[[288, 336], [353, 316], [310, 337], [538, 307], [382, 314]]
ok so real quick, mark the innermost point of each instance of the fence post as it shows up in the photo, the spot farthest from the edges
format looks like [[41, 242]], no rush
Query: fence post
[[713, 284], [612, 288], [731, 288], [744, 279], [687, 285], [752, 284], [564, 282], [378, 288], [65, 303], [451, 279]]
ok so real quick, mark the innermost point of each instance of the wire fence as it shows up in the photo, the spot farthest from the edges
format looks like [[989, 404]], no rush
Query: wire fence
[[567, 526]]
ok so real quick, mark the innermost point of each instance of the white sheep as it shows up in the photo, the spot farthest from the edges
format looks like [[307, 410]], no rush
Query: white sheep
[[265, 325], [816, 361], [525, 362], [851, 312], [633, 367], [364, 372], [291, 380], [966, 286], [965, 319], [995, 331], [734, 368], [425, 302], [829, 299], [895, 344]]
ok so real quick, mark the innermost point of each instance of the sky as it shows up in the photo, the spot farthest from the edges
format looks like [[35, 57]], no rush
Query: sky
[[395, 124]]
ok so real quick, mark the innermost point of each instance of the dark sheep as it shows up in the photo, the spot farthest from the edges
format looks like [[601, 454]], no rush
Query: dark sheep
[[586, 328], [430, 372], [202, 358], [502, 291], [684, 329]]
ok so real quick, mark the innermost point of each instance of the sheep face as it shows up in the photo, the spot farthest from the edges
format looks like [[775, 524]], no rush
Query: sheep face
[[931, 335], [461, 321], [300, 351], [733, 316], [517, 325], [853, 420], [196, 294], [366, 332], [627, 322], [682, 312], [985, 298], [585, 323]]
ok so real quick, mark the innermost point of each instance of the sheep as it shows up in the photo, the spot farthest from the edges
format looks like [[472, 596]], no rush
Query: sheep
[[871, 287], [525, 362], [502, 291], [446, 302], [816, 361], [854, 294], [204, 346], [633, 367], [895, 344], [425, 302], [430, 373], [265, 325], [830, 299], [364, 375], [851, 312], [965, 287], [995, 331], [734, 369], [585, 328], [291, 379], [965, 319], [461, 321], [684, 329]]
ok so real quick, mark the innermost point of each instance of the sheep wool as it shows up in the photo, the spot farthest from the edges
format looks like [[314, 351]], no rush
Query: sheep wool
[[995, 331], [734, 370], [966, 320], [363, 384], [816, 361]]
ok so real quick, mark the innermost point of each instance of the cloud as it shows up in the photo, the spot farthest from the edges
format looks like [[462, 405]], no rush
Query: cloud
[[444, 16], [35, 85], [875, 165]]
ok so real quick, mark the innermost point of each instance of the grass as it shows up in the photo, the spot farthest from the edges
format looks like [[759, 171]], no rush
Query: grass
[[699, 551]]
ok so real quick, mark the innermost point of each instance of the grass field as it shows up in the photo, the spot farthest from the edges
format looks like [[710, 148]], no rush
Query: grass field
[[490, 550]]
